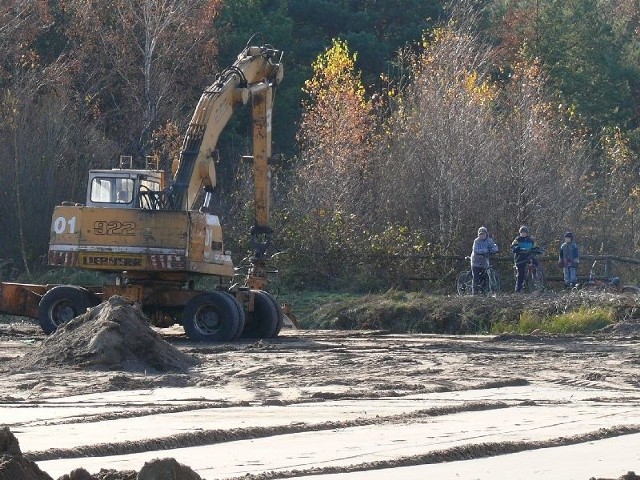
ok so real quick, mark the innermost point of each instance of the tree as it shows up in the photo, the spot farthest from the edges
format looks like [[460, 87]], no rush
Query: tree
[[139, 62], [45, 143], [477, 152], [609, 216], [577, 47], [335, 131], [44, 137], [541, 163], [262, 21], [335, 142], [20, 24], [441, 145]]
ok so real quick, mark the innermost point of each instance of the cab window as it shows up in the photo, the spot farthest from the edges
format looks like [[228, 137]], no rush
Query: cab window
[[111, 190]]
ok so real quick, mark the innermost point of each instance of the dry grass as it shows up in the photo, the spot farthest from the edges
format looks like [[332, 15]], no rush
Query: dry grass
[[395, 311]]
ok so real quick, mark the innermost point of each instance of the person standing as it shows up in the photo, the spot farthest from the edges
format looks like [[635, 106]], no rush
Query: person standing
[[483, 246], [568, 260], [522, 247]]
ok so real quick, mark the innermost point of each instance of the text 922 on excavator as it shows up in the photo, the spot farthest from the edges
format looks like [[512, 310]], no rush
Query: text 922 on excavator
[[156, 237]]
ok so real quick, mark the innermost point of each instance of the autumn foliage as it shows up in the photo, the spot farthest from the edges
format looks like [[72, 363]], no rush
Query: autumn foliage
[[490, 118]]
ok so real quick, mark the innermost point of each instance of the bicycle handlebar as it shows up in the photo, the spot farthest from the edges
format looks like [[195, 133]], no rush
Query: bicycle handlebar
[[468, 257], [533, 251]]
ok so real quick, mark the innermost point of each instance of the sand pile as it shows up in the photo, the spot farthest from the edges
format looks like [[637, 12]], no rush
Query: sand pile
[[14, 466], [626, 476], [159, 469], [112, 336]]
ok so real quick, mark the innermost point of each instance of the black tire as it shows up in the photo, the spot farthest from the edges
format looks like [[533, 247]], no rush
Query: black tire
[[241, 316], [263, 321], [61, 304], [493, 280], [534, 281], [279, 312], [211, 317], [464, 283], [630, 290]]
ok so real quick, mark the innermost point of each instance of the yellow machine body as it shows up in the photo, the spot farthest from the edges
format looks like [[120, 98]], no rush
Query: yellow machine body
[[133, 239]]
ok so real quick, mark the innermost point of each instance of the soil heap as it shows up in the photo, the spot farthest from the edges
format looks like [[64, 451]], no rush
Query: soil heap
[[14, 466], [628, 328], [111, 336], [158, 469]]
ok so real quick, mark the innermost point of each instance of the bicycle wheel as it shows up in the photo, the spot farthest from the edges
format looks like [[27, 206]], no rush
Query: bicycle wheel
[[630, 290], [464, 283], [493, 281], [535, 278]]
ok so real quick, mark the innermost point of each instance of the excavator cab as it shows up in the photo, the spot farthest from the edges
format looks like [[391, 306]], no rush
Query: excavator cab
[[125, 187]]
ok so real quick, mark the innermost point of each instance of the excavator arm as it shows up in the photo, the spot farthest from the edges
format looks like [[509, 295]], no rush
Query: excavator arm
[[253, 75]]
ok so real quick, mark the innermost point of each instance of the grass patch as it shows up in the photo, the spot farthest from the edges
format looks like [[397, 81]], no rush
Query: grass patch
[[418, 312], [582, 320]]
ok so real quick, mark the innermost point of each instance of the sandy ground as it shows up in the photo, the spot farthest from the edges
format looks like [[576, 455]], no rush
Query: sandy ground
[[331, 405]]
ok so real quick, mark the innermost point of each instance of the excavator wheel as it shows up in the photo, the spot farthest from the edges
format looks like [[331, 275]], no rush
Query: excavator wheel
[[241, 316], [263, 321], [279, 311], [211, 317], [61, 304]]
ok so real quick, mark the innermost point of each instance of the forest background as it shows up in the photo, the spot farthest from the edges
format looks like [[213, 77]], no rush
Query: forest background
[[401, 126]]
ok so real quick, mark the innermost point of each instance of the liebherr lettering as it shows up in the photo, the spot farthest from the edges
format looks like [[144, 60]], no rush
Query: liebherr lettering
[[110, 261]]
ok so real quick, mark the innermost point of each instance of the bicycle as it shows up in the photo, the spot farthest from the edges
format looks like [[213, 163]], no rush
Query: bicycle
[[464, 281], [534, 274], [606, 284]]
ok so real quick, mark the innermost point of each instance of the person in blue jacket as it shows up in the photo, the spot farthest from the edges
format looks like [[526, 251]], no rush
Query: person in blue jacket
[[483, 246], [522, 247], [568, 259]]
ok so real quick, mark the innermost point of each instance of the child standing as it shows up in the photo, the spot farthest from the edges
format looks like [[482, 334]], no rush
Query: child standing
[[523, 248], [483, 246], [568, 259]]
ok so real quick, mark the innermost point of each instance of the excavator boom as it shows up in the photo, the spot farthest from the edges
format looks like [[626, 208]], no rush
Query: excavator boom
[[254, 75]]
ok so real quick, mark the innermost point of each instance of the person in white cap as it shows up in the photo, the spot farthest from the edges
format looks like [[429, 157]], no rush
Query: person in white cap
[[483, 246]]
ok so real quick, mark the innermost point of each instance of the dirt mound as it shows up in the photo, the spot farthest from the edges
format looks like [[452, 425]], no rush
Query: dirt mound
[[627, 328], [158, 469], [13, 466], [112, 336], [626, 476], [166, 469], [82, 474]]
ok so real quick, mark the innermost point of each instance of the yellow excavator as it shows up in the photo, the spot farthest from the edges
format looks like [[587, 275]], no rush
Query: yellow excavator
[[157, 237]]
